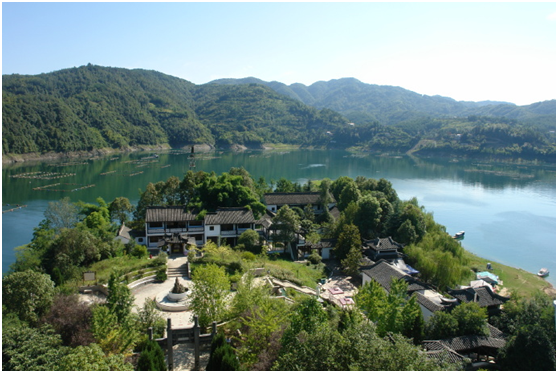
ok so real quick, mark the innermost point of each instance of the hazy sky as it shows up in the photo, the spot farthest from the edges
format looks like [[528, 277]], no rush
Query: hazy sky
[[467, 51]]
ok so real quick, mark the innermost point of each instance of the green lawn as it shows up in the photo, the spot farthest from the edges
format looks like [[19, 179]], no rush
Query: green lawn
[[124, 264], [514, 279]]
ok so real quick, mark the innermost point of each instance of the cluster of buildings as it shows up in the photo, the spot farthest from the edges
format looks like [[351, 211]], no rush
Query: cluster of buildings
[[175, 228]]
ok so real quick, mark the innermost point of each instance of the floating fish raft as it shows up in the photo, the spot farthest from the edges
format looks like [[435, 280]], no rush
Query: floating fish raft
[[42, 175], [50, 188], [18, 207]]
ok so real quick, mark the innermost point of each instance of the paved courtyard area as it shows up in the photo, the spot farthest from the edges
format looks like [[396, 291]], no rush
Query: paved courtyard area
[[181, 319]]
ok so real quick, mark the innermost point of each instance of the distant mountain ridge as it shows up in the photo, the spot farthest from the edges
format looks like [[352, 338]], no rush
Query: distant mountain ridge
[[94, 107], [361, 102]]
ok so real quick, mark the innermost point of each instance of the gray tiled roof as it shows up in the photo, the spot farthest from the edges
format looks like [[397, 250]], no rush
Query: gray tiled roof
[[303, 198], [380, 244], [428, 304], [466, 343], [442, 353], [382, 272], [266, 220], [484, 296], [230, 215], [167, 214]]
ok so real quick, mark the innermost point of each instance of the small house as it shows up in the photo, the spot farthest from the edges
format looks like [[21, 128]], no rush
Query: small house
[[382, 248]]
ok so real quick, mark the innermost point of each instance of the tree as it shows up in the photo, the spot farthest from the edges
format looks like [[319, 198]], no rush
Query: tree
[[357, 348], [71, 319], [306, 316], [350, 193], [531, 326], [149, 316], [249, 294], [92, 358], [413, 322], [250, 239], [120, 208], [222, 356], [28, 294], [471, 319], [210, 288], [260, 325], [369, 216], [406, 233], [72, 249], [119, 299], [152, 357], [285, 225], [351, 263], [171, 191], [465, 319], [348, 239], [284, 186], [338, 185], [113, 337], [441, 325], [152, 196], [27, 349], [530, 348], [62, 214], [392, 312]]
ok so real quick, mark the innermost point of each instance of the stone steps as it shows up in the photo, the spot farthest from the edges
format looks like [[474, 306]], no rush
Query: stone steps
[[177, 271]]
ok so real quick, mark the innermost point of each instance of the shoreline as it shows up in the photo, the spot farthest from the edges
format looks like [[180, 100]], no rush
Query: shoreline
[[10, 158], [514, 279]]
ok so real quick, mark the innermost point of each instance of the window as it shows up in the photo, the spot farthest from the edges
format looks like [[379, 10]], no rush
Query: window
[[156, 225], [211, 227]]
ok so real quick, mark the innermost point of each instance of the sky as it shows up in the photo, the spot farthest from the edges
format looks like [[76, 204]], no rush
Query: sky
[[470, 51]]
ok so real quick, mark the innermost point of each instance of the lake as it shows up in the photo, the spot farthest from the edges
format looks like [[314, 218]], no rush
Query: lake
[[507, 211]]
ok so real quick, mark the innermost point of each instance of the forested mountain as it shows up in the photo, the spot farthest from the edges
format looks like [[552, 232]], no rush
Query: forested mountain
[[93, 107], [361, 102]]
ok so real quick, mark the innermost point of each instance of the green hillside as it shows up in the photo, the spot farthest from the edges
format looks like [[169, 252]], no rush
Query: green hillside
[[94, 107], [361, 102]]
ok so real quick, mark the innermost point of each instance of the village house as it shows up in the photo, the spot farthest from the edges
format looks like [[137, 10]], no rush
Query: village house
[[176, 227], [383, 248], [483, 295], [428, 298], [274, 201], [473, 349], [478, 350]]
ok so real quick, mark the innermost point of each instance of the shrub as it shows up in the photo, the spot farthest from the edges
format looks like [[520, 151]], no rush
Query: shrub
[[159, 260], [222, 355], [235, 267], [152, 358], [139, 251], [235, 278], [161, 274], [248, 256], [315, 258]]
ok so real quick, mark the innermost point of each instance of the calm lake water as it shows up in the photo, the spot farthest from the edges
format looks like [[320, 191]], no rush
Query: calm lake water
[[507, 211]]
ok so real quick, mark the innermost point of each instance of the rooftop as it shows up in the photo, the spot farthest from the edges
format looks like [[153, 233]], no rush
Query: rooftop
[[383, 244], [482, 295], [467, 343], [168, 214], [230, 215], [303, 198]]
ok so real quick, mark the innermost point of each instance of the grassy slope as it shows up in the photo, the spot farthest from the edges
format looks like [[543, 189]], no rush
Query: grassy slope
[[514, 279]]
